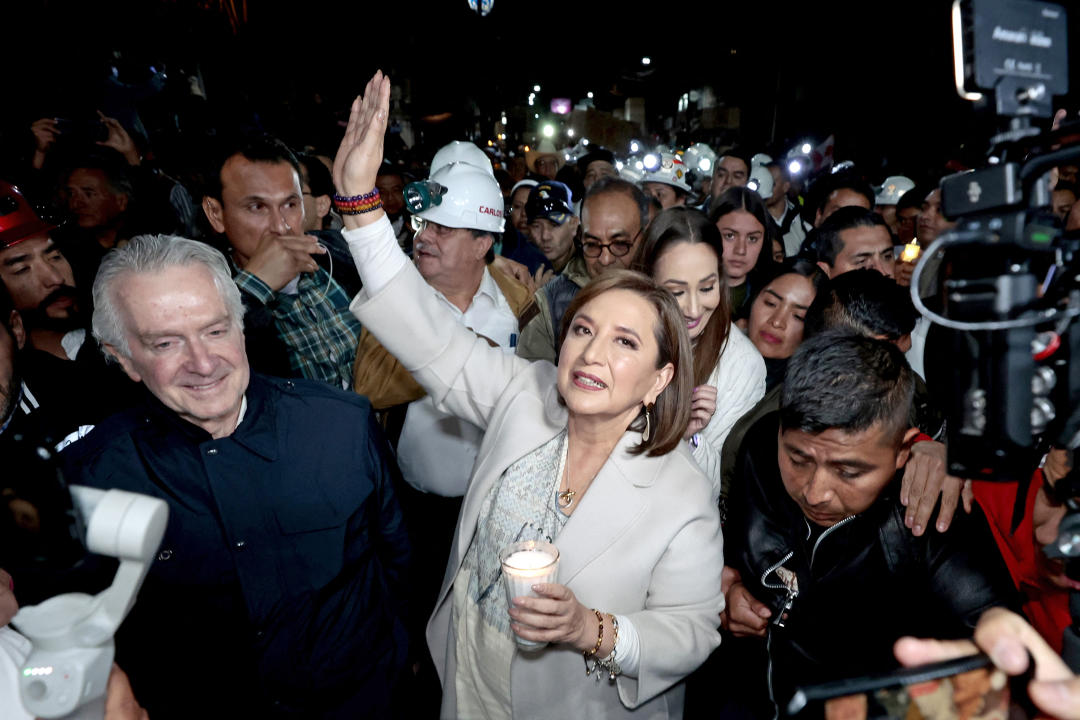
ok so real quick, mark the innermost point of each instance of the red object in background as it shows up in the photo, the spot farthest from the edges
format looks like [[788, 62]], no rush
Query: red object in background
[[1046, 605]]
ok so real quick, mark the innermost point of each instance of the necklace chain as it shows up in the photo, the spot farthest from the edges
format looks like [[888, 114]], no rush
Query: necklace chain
[[565, 497]]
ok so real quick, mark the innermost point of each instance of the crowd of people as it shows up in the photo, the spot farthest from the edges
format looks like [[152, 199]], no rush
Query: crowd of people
[[355, 383]]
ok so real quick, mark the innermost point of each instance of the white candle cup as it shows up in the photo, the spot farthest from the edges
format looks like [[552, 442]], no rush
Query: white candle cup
[[525, 564]]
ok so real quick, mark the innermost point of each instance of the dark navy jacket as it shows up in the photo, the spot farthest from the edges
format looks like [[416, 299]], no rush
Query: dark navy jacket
[[278, 586]]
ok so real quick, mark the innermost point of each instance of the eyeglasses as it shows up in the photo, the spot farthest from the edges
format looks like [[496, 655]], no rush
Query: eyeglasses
[[419, 225], [617, 248]]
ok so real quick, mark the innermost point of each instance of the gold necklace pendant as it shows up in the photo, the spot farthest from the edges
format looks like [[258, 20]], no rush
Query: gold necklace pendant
[[566, 498]]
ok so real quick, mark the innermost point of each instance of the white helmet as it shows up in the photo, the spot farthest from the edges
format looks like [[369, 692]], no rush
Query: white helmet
[[458, 195], [665, 167], [699, 158], [761, 159], [893, 189], [460, 151], [761, 181]]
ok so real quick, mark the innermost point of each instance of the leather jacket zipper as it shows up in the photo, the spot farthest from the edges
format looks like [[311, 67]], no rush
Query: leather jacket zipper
[[825, 534]]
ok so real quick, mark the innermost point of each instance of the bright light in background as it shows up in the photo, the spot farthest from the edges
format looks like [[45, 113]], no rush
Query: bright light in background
[[618, 165], [567, 155], [639, 166], [806, 148], [634, 147], [652, 162], [561, 106], [794, 167], [646, 61], [752, 184], [584, 141], [705, 164], [590, 95], [536, 115], [536, 88], [503, 119], [490, 144], [548, 130], [530, 100], [570, 132]]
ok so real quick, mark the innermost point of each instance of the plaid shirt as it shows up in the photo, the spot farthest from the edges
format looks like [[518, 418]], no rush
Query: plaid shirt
[[318, 329]]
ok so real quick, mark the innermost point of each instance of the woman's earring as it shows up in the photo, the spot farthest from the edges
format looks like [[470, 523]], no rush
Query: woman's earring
[[646, 433]]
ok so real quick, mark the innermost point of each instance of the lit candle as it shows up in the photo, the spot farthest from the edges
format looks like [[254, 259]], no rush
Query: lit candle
[[525, 564]]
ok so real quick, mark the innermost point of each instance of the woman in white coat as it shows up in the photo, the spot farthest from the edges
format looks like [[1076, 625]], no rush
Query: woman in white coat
[[589, 454], [682, 251]]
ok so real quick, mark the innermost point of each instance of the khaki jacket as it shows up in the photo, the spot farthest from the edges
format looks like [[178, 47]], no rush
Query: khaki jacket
[[378, 375]]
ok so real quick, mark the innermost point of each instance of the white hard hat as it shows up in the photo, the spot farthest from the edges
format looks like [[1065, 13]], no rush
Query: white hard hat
[[760, 159], [761, 181], [460, 151], [667, 168], [893, 189], [467, 197], [700, 158]]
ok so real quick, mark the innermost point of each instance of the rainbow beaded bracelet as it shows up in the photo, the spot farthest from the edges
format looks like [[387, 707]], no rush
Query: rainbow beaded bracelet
[[358, 204]]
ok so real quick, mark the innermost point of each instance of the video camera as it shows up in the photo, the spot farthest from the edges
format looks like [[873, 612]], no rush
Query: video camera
[[1009, 300]]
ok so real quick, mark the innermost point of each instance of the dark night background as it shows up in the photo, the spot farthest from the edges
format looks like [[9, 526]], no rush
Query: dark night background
[[877, 74]]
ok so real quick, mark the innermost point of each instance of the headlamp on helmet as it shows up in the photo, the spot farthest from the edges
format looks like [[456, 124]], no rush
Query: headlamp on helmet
[[423, 195]]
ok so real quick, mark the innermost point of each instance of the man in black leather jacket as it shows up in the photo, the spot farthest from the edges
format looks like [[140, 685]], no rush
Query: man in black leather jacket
[[816, 528]]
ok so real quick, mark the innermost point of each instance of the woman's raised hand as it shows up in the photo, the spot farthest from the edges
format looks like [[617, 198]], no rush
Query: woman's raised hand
[[361, 150]]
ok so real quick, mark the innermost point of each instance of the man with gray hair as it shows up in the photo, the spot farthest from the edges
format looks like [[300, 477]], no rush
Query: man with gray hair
[[285, 553]]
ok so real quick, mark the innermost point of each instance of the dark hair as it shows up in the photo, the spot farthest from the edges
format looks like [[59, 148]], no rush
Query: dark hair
[[256, 148], [794, 266], [735, 152], [7, 306], [671, 412], [913, 198], [848, 382], [112, 166], [686, 225], [827, 244], [818, 194], [737, 199], [863, 301], [1068, 187], [613, 183], [316, 175]]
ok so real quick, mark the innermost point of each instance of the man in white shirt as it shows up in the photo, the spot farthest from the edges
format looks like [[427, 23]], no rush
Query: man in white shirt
[[461, 210]]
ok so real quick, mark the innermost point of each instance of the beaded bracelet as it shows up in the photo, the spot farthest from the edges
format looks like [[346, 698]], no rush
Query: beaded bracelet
[[599, 635], [610, 663], [358, 204]]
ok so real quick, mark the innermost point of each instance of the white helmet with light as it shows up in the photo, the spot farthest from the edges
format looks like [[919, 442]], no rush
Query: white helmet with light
[[458, 195], [665, 167], [761, 181], [700, 158], [460, 151], [893, 189], [761, 159]]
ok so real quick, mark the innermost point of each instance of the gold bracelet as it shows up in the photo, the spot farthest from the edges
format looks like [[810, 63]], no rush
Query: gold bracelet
[[599, 641]]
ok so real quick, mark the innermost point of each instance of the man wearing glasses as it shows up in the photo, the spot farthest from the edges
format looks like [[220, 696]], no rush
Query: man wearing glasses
[[613, 216]]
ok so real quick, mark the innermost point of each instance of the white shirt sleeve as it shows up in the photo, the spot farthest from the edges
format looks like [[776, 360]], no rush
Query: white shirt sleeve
[[14, 650], [376, 252], [739, 379], [627, 648]]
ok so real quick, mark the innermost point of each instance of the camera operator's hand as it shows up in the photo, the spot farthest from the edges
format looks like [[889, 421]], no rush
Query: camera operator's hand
[[8, 605], [1057, 465], [280, 258], [45, 133], [924, 480], [119, 140], [1007, 639], [361, 151], [743, 615], [120, 702]]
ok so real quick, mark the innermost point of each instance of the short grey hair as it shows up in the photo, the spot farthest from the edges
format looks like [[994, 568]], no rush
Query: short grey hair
[[155, 254]]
